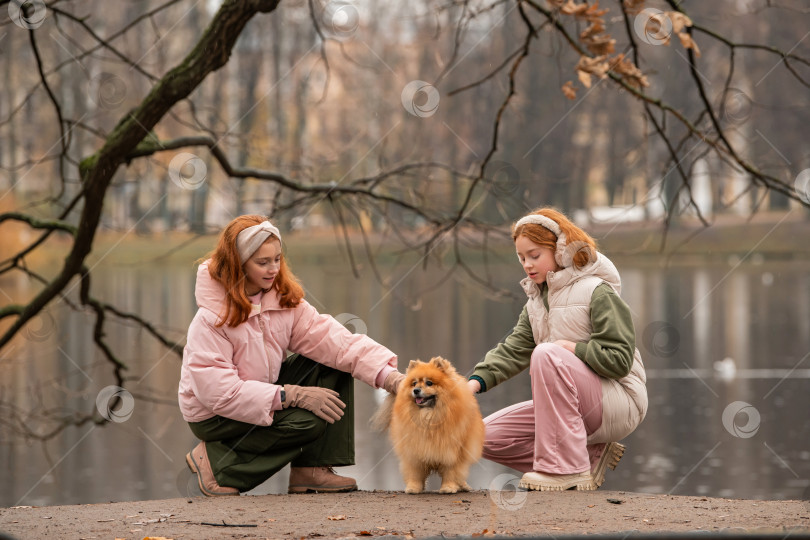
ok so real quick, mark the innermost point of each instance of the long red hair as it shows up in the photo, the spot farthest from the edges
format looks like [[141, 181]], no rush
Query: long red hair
[[578, 239], [226, 269]]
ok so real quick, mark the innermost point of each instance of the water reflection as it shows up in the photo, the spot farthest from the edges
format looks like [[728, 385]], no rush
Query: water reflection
[[687, 320]]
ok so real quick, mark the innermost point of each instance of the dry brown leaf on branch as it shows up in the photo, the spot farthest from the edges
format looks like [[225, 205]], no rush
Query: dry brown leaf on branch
[[596, 27], [584, 78], [569, 91], [596, 66], [593, 13], [679, 20], [688, 42], [581, 11], [572, 8], [633, 6], [602, 45], [596, 40], [632, 75]]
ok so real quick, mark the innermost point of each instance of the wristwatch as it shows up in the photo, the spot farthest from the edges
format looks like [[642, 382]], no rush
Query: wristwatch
[[283, 396]]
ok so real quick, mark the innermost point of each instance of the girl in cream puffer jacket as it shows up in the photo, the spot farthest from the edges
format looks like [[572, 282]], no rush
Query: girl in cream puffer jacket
[[576, 336]]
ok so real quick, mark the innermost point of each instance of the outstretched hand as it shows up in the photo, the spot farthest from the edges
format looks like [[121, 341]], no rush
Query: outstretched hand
[[392, 381], [474, 386]]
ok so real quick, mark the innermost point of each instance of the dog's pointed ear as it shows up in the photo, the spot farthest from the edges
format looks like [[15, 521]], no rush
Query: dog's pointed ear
[[413, 364], [441, 363]]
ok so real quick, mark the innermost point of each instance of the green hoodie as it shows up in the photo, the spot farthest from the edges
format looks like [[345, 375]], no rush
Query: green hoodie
[[609, 352]]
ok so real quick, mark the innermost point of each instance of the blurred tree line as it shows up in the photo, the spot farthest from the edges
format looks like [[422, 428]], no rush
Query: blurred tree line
[[321, 111], [426, 123]]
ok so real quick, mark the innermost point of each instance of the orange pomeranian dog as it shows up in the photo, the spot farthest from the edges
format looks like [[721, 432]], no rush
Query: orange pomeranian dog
[[435, 426]]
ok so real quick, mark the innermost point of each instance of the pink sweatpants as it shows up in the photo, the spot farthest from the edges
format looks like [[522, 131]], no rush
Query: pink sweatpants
[[549, 433]]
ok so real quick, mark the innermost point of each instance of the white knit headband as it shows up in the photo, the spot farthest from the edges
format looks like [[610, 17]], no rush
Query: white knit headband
[[252, 238], [538, 219]]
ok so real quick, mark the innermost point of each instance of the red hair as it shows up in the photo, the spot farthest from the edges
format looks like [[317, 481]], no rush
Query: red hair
[[226, 269], [586, 245]]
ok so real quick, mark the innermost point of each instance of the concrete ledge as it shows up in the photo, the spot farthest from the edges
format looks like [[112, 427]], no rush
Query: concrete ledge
[[395, 514]]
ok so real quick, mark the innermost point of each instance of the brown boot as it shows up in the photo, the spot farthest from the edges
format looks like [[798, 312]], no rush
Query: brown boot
[[319, 480], [197, 461]]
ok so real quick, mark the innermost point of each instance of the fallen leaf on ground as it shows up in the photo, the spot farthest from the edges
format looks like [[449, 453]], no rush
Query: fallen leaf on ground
[[272, 519], [336, 518]]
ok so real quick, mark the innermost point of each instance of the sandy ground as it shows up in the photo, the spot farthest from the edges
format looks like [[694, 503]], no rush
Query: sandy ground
[[395, 514]]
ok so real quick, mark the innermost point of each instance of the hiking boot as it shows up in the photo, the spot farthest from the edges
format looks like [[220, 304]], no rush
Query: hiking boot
[[197, 461], [610, 457], [539, 481], [318, 480]]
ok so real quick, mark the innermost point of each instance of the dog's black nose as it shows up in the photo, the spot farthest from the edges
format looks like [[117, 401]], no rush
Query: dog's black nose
[[417, 391]]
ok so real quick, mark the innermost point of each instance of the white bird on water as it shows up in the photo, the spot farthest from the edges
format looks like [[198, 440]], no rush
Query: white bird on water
[[725, 369]]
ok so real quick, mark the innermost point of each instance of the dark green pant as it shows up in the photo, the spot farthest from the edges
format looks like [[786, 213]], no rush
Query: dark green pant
[[244, 455]]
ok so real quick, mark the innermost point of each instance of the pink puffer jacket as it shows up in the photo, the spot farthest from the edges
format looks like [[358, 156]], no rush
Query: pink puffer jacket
[[230, 371]]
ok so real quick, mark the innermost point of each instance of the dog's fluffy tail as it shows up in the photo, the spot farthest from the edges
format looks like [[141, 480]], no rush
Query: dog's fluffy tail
[[382, 418]]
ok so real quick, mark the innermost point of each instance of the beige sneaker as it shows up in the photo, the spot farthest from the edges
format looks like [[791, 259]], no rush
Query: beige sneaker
[[539, 481], [197, 461], [319, 480], [611, 455]]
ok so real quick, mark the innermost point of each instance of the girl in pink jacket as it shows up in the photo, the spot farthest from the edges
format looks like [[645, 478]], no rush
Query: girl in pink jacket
[[253, 408]]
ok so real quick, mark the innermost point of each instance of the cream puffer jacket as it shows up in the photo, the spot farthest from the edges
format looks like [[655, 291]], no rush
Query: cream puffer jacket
[[568, 317]]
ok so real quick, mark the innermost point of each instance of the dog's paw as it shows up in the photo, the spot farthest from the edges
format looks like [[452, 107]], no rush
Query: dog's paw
[[413, 490], [413, 487], [449, 488], [465, 487]]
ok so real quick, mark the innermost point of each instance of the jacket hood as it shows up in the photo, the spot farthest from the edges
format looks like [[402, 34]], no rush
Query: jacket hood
[[210, 294], [602, 268]]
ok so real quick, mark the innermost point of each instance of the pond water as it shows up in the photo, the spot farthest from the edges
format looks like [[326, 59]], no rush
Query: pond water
[[725, 344]]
